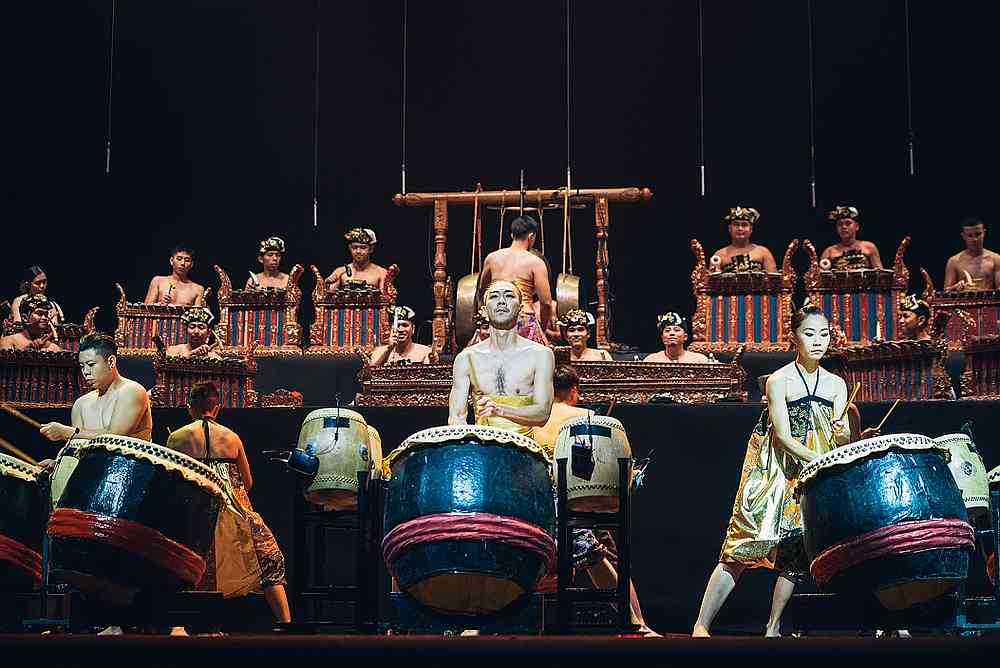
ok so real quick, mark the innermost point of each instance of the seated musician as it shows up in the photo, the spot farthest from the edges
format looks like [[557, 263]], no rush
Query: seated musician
[[914, 319], [674, 335], [271, 251], [741, 254], [508, 376], [482, 322], [361, 271], [34, 282], [575, 329], [205, 438], [529, 272], [590, 551], [177, 288], [116, 405], [975, 268], [401, 348], [38, 332], [198, 321], [850, 252]]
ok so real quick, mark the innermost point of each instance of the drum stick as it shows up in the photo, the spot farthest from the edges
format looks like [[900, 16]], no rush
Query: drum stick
[[968, 277], [20, 416], [891, 409], [854, 393], [9, 447], [611, 406]]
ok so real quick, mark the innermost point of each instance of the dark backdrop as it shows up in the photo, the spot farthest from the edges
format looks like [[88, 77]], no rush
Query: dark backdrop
[[212, 132]]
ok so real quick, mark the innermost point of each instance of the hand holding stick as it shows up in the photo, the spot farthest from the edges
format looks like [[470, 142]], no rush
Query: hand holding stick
[[854, 393]]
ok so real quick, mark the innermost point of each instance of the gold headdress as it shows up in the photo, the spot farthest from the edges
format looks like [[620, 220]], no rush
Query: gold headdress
[[404, 313], [577, 317], [272, 244], [198, 314], [915, 304], [746, 213], [841, 212], [361, 235], [670, 319], [29, 304]]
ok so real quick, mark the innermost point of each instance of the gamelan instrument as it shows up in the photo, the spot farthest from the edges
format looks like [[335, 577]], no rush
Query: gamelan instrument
[[23, 511], [260, 322], [138, 323], [133, 516], [340, 439], [884, 516], [469, 517], [969, 471], [357, 316], [592, 445]]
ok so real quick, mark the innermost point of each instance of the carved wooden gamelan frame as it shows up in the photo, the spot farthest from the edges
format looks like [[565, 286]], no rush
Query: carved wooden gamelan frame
[[69, 333], [40, 373], [404, 385], [820, 282], [126, 310], [981, 376], [963, 304], [323, 299], [706, 286], [600, 197], [287, 300], [168, 369]]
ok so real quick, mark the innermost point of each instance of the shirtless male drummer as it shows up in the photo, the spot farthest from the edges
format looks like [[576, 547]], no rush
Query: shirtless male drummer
[[116, 405], [360, 243], [742, 254], [176, 288], [37, 332], [509, 376], [975, 268], [529, 272]]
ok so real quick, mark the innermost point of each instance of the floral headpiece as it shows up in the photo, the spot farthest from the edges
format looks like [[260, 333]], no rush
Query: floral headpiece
[[198, 314], [842, 212], [361, 235], [746, 213], [669, 319], [272, 244], [577, 317]]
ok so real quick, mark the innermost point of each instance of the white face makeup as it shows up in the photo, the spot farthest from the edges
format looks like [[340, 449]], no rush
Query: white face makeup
[[812, 338], [502, 304]]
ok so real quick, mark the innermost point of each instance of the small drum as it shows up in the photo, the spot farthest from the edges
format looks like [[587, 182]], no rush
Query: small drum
[[23, 510], [133, 516], [969, 471], [339, 439], [592, 445], [65, 464], [468, 518], [885, 516]]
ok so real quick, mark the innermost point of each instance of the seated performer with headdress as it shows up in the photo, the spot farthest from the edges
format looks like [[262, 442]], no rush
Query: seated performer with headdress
[[177, 288], [575, 329], [38, 331], [508, 376], [518, 265], [976, 267], [914, 319], [674, 335], [206, 439], [741, 254], [361, 271], [34, 282], [198, 321], [482, 322], [401, 348], [269, 256], [850, 252], [797, 425]]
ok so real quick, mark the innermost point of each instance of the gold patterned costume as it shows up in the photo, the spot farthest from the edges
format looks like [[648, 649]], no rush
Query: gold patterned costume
[[528, 325], [765, 530]]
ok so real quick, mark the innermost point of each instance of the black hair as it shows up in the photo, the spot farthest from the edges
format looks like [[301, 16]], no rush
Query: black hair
[[801, 314], [203, 397], [29, 275], [182, 248], [564, 379], [522, 226], [970, 221], [103, 344]]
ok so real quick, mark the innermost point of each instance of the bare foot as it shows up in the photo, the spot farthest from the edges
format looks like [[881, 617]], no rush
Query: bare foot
[[700, 632], [648, 632], [772, 633]]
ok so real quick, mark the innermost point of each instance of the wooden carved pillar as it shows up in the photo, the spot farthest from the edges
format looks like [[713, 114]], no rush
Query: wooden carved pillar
[[601, 234], [440, 273]]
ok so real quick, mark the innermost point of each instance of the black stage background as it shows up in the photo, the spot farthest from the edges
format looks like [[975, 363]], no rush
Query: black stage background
[[679, 515], [212, 114]]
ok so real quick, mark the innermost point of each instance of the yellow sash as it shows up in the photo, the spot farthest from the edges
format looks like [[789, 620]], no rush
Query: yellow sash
[[504, 423]]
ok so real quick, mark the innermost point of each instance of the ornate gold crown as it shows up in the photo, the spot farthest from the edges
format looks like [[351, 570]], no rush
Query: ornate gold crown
[[669, 319], [841, 212], [577, 317], [272, 244], [404, 313], [746, 213], [198, 314], [361, 235], [29, 304], [913, 303]]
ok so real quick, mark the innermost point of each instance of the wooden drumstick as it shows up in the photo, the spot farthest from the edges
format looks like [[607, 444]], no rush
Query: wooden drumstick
[[854, 393], [611, 406], [891, 409], [20, 416], [968, 277], [9, 447]]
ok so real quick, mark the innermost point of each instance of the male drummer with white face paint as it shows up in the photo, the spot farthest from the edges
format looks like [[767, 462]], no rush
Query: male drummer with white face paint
[[509, 376]]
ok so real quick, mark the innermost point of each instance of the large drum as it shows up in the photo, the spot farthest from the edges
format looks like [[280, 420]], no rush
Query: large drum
[[468, 517], [63, 467], [133, 516], [592, 445], [969, 471], [339, 439], [885, 516], [23, 510]]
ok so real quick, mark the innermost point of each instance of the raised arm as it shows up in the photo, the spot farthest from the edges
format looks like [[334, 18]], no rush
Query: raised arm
[[458, 400], [781, 429]]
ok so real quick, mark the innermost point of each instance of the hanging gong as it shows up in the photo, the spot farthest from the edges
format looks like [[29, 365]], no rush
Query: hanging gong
[[466, 306], [569, 293]]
